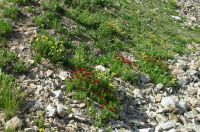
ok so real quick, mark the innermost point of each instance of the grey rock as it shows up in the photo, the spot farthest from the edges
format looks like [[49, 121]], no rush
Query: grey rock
[[198, 109], [64, 74], [191, 114], [160, 118], [130, 109], [121, 93], [50, 111], [191, 72], [198, 92], [21, 47], [14, 123], [144, 78], [192, 90], [120, 124], [29, 130], [146, 130], [194, 102], [101, 68], [184, 105], [33, 86], [138, 93], [57, 94], [39, 89], [168, 101], [168, 125], [158, 98], [37, 106], [177, 18], [49, 73], [82, 105], [159, 86], [193, 126], [61, 109], [184, 120], [172, 130]]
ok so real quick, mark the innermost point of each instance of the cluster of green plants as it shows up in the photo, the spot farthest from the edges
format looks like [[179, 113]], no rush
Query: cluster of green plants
[[5, 27], [98, 88], [39, 121], [10, 63], [53, 48], [130, 26], [9, 10], [21, 2], [10, 95], [46, 21]]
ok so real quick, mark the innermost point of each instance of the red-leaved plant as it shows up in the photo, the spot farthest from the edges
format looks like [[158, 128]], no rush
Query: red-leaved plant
[[96, 89]]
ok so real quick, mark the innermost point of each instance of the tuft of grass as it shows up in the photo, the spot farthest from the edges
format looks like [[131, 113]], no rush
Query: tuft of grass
[[9, 63], [22, 2], [49, 20], [11, 12], [9, 130], [10, 95], [79, 58], [52, 5], [39, 121], [5, 27]]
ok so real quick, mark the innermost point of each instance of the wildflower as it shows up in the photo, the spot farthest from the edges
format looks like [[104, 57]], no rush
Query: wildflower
[[82, 69], [101, 107], [88, 77], [41, 130], [97, 81], [111, 110]]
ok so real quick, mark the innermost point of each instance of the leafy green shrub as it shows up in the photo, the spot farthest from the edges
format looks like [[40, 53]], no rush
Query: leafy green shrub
[[5, 27], [53, 5], [48, 20], [2, 42], [9, 63], [84, 17], [10, 95], [50, 48]]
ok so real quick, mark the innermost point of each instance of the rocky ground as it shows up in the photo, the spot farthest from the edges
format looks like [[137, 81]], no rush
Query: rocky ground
[[190, 9], [147, 107]]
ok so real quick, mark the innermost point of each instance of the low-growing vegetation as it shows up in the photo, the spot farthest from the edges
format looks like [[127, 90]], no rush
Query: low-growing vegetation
[[81, 34], [98, 88], [10, 95], [98, 32], [10, 63], [5, 27]]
